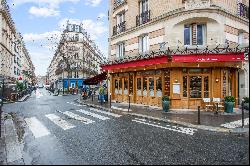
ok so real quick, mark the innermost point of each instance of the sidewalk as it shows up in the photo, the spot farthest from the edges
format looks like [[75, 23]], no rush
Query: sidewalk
[[209, 120]]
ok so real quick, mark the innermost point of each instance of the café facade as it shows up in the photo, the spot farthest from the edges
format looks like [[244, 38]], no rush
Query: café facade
[[187, 76]]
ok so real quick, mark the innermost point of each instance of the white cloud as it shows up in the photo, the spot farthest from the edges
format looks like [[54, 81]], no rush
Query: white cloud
[[32, 37], [50, 3], [44, 12], [93, 2], [72, 10]]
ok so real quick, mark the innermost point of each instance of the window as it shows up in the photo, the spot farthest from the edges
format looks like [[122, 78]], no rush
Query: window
[[185, 86], [194, 34], [241, 38], [120, 18], [120, 50], [195, 86], [143, 6], [15, 70], [144, 44], [206, 87]]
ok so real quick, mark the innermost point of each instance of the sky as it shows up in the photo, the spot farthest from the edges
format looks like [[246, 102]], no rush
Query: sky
[[41, 22]]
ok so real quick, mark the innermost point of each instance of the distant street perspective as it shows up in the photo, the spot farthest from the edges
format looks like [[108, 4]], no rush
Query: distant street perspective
[[124, 82]]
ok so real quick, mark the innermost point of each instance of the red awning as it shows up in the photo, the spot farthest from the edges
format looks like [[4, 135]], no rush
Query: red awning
[[96, 79], [209, 58], [137, 63]]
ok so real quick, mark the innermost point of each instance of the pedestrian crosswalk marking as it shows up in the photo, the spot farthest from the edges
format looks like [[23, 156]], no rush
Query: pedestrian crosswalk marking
[[36, 127], [77, 117], [60, 122], [235, 124], [93, 114], [188, 131], [107, 113]]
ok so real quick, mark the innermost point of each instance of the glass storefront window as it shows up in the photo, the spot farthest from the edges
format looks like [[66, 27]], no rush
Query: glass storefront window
[[116, 86], [206, 87], [125, 86], [145, 92], [151, 87], [158, 87], [195, 86], [195, 71], [120, 86], [138, 82], [185, 86], [224, 89]]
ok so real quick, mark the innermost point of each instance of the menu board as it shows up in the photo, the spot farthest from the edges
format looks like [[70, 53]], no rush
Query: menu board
[[177, 88]]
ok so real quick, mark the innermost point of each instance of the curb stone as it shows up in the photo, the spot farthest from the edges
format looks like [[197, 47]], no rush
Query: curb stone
[[202, 127]]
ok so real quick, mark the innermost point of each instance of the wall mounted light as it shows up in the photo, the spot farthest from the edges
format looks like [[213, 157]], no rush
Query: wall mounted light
[[217, 80], [176, 81]]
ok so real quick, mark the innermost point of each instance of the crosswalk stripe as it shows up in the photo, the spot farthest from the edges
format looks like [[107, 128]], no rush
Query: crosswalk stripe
[[235, 124], [187, 131], [36, 127], [93, 114], [60, 122], [77, 117], [107, 113]]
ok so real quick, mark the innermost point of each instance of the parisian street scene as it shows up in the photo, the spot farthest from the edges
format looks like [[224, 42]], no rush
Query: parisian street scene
[[124, 82]]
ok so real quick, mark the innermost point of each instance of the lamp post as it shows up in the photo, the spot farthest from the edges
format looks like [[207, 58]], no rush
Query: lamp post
[[1, 100]]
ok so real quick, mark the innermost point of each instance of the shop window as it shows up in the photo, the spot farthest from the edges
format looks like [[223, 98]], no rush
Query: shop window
[[125, 86], [206, 87], [151, 87], [205, 71], [195, 71], [158, 87], [120, 86], [139, 89], [184, 70], [145, 92], [224, 84], [195, 86], [185, 86]]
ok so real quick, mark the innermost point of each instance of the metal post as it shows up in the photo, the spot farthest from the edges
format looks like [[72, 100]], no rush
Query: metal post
[[199, 115], [242, 113], [1, 118], [110, 100], [128, 103], [92, 96], [63, 81]]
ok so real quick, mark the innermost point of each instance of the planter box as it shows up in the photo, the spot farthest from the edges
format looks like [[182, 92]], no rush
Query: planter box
[[229, 107], [165, 106]]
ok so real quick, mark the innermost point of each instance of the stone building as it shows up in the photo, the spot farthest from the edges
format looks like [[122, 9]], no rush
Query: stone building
[[76, 59], [185, 49], [15, 60]]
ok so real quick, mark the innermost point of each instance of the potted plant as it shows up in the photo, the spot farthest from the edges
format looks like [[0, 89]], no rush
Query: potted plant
[[246, 103], [165, 103], [229, 104]]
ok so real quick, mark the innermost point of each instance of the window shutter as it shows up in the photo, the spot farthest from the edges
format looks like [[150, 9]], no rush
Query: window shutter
[[117, 51], [140, 44]]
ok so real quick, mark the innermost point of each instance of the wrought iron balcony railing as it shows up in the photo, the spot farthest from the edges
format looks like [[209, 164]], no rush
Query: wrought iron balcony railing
[[243, 10], [119, 28], [143, 18], [119, 3]]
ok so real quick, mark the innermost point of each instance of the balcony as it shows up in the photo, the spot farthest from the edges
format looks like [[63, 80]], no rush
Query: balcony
[[143, 18], [243, 10], [119, 28], [119, 3]]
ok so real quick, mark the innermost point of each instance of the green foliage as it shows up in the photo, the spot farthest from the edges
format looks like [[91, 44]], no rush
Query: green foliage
[[165, 98], [229, 99], [246, 99], [20, 86]]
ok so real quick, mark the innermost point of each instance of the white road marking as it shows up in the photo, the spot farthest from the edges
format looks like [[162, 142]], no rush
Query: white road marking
[[37, 128], [77, 117], [107, 113], [60, 122], [93, 114], [235, 124], [144, 120], [188, 131]]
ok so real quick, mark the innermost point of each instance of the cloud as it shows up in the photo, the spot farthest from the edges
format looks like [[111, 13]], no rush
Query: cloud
[[93, 3], [28, 37], [44, 12], [72, 10], [50, 3]]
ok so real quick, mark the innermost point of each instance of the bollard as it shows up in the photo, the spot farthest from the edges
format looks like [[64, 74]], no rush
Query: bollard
[[92, 97], [199, 115], [242, 113], [110, 100], [128, 103]]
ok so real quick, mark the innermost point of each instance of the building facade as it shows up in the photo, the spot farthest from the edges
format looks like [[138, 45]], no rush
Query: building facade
[[76, 58], [15, 60], [185, 49]]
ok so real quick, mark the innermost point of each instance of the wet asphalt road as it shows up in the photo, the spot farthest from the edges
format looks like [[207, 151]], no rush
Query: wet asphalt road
[[122, 140]]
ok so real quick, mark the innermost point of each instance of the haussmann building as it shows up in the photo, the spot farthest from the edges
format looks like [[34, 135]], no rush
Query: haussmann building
[[187, 50]]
